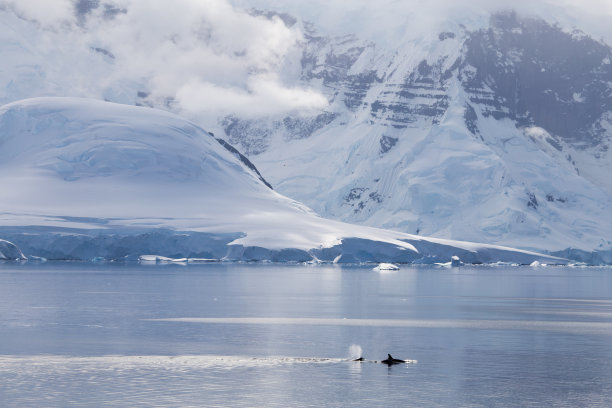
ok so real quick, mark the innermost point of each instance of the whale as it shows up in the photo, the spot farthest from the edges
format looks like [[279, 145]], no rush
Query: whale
[[390, 360], [359, 359]]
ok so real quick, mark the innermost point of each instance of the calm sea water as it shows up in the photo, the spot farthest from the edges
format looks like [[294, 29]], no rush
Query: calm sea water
[[277, 336]]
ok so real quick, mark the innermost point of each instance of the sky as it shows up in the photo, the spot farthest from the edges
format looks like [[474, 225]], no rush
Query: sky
[[215, 56], [386, 21]]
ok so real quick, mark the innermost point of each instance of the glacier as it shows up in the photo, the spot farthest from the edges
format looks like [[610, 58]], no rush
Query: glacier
[[87, 179], [474, 125]]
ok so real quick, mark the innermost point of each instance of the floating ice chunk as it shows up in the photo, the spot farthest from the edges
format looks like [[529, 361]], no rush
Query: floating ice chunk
[[386, 267], [33, 258], [455, 261], [147, 258], [501, 263], [202, 260], [537, 263], [160, 259]]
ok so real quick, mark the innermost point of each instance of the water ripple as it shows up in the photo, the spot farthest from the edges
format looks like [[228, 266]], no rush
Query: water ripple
[[603, 328]]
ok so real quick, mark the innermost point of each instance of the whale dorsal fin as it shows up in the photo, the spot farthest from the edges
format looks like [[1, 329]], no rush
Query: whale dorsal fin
[[389, 357]]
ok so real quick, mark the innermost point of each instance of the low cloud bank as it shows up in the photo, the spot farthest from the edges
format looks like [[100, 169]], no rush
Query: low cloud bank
[[199, 56]]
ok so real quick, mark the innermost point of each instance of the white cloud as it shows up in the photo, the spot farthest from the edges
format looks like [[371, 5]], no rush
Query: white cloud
[[213, 57], [390, 21], [264, 96], [195, 52], [206, 54], [49, 13]]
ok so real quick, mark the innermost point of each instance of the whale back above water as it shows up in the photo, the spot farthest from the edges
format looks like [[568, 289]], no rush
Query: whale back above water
[[390, 360]]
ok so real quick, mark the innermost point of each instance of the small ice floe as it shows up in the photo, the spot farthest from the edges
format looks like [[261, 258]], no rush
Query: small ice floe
[[202, 260], [455, 261], [160, 259], [578, 265], [500, 263], [536, 264], [386, 267]]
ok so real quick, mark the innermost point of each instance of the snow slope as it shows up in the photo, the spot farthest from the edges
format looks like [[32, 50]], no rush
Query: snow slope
[[84, 179], [497, 130]]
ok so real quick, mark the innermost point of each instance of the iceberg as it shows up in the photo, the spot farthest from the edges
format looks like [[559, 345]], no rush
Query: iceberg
[[386, 267], [456, 261]]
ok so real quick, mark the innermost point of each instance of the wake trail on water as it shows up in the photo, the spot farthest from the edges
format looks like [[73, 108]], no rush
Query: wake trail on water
[[57, 363]]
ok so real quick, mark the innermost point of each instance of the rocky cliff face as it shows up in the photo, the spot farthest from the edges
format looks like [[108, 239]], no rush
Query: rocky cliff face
[[522, 69], [537, 74]]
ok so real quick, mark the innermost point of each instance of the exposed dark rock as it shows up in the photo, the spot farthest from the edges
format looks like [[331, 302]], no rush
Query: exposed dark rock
[[355, 194], [538, 74], [252, 139], [286, 18], [85, 6], [446, 35], [243, 159], [387, 143], [300, 128], [533, 201], [471, 119], [103, 51]]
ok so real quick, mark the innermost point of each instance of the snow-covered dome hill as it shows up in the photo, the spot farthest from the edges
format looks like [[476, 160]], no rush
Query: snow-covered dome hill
[[76, 139]]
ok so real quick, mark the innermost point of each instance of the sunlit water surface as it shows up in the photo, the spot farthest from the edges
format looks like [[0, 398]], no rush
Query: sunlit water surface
[[75, 334]]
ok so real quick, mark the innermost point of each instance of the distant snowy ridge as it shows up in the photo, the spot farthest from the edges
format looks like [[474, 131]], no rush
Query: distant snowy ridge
[[89, 179]]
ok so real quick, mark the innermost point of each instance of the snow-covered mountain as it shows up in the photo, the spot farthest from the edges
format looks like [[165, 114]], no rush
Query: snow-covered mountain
[[84, 179], [481, 126], [500, 133]]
